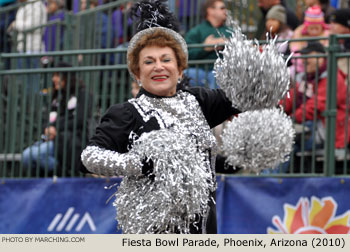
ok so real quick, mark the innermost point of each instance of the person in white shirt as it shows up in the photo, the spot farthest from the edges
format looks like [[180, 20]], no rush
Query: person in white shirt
[[30, 15]]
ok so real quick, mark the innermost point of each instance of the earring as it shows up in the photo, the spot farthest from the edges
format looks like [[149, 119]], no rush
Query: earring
[[139, 83], [178, 80]]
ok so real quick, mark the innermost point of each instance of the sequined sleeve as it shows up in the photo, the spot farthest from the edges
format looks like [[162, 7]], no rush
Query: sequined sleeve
[[107, 152], [215, 105], [111, 163]]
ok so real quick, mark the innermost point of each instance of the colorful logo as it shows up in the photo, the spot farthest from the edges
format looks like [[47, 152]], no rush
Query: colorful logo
[[318, 219]]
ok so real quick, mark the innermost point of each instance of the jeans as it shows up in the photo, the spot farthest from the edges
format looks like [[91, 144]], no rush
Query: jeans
[[201, 78], [40, 152]]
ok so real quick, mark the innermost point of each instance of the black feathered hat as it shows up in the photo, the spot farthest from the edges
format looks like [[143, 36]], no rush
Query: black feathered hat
[[154, 13], [154, 16]]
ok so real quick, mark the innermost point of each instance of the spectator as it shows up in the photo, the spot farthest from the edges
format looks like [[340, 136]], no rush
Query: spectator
[[265, 5], [207, 33], [55, 12], [96, 31], [67, 104], [187, 10], [29, 16], [340, 24], [276, 19], [313, 26], [315, 104], [305, 105], [121, 25], [325, 5], [5, 20]]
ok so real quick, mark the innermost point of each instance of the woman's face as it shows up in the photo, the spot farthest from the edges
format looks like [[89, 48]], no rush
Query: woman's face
[[58, 82], [159, 71]]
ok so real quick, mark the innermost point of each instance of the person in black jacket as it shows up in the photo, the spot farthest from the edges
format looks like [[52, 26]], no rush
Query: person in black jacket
[[157, 57], [66, 129]]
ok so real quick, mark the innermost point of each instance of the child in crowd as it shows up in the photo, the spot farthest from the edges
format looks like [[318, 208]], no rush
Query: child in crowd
[[276, 25], [313, 26], [325, 5]]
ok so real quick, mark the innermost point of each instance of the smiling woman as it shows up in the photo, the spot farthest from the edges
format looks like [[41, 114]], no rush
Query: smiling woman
[[159, 72], [161, 141]]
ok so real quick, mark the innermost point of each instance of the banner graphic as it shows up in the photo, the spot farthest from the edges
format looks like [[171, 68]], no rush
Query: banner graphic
[[245, 205]]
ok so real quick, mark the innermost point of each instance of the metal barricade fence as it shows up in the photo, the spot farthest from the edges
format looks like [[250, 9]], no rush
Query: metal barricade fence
[[25, 112], [27, 100], [315, 159], [338, 59], [105, 26]]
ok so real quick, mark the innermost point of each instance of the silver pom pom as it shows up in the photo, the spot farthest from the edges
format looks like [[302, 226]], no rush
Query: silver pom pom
[[176, 193], [258, 140], [252, 79]]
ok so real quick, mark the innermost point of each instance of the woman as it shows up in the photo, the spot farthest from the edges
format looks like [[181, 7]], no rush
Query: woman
[[157, 57], [66, 119]]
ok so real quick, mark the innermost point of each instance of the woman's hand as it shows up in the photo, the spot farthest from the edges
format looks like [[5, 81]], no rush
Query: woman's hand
[[50, 133]]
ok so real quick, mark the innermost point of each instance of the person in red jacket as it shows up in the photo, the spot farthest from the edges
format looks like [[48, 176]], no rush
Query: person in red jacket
[[314, 87]]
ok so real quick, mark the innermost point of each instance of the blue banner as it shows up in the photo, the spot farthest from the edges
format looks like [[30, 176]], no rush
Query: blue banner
[[69, 205], [245, 205], [288, 205]]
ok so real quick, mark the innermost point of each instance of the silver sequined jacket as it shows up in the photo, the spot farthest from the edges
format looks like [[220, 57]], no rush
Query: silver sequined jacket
[[192, 110]]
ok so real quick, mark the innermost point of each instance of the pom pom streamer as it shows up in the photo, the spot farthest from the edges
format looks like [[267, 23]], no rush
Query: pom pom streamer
[[174, 195], [258, 140], [252, 79]]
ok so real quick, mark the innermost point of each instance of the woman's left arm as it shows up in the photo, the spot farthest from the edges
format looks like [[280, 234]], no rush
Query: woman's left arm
[[215, 105]]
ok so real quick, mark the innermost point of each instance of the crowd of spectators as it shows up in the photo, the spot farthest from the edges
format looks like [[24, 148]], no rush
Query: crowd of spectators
[[43, 26], [40, 26]]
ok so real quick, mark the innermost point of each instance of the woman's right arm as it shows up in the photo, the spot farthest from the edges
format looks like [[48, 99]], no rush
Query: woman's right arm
[[105, 162], [107, 152]]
